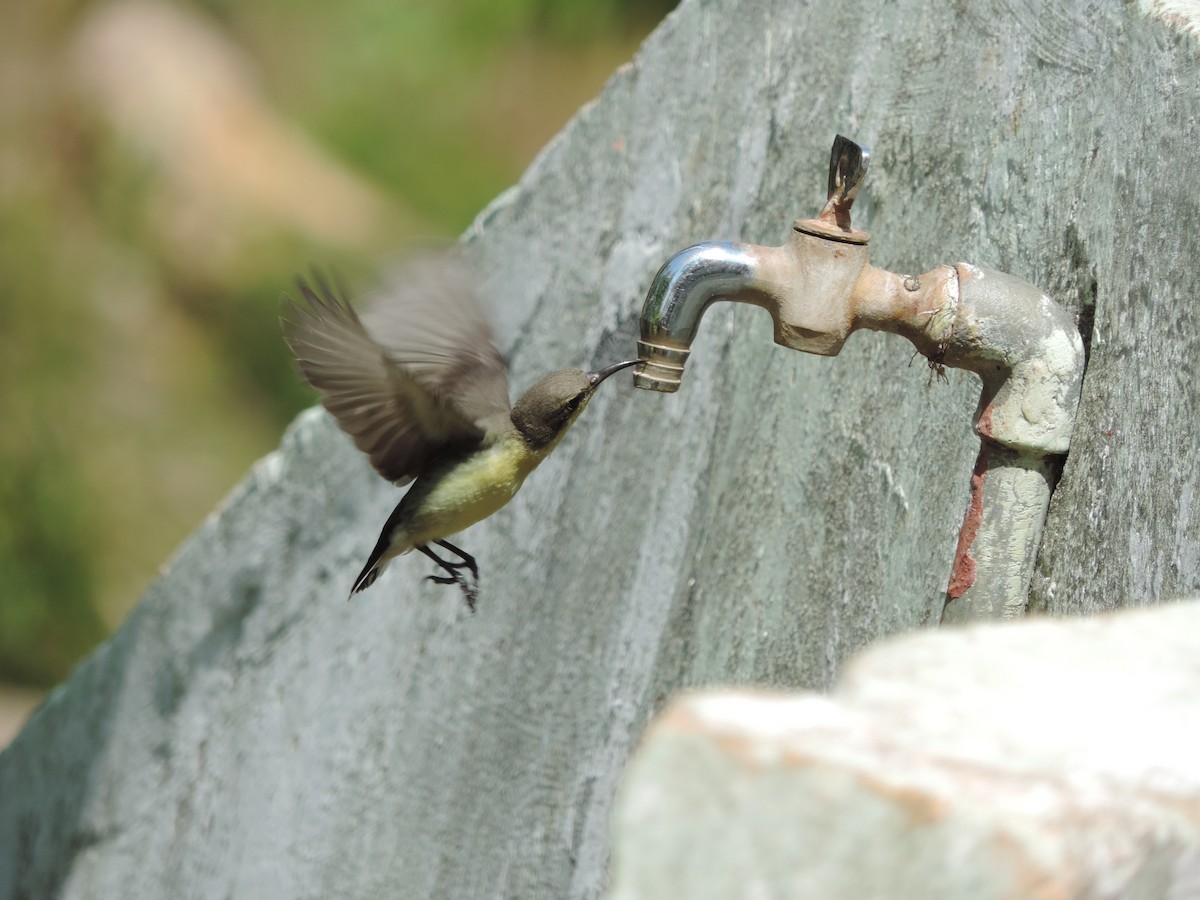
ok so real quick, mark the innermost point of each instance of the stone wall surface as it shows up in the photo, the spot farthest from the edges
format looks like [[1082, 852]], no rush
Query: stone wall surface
[[248, 733]]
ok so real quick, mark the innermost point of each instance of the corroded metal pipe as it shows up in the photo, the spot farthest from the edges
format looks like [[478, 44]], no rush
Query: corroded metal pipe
[[819, 287]]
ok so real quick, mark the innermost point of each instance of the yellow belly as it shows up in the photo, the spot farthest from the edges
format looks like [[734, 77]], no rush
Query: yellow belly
[[470, 491]]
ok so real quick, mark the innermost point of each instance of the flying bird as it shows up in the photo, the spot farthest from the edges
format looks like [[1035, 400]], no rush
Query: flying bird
[[418, 383]]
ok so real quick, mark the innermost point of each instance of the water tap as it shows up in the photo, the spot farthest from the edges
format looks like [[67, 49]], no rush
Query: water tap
[[819, 286]]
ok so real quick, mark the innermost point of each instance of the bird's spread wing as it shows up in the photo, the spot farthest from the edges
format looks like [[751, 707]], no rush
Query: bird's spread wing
[[400, 405], [429, 320]]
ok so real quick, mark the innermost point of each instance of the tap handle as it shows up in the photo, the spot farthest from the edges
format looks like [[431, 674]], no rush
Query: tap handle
[[847, 169], [848, 163]]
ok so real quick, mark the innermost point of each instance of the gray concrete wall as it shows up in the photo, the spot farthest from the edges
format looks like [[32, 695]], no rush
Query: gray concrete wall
[[250, 734]]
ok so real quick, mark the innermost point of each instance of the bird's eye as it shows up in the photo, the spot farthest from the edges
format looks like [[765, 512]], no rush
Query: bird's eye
[[573, 403]]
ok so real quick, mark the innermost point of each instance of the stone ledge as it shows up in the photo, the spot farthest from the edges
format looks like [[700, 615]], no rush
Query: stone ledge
[[1045, 759]]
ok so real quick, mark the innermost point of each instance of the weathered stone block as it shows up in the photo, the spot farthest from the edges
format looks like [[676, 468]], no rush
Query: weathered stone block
[[1035, 760]]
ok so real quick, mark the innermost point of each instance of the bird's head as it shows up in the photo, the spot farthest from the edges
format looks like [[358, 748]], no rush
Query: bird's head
[[546, 410]]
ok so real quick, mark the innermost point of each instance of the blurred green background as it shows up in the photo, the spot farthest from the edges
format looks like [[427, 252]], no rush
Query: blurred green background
[[164, 170]]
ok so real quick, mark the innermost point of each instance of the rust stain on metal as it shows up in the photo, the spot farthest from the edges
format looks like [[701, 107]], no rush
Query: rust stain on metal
[[962, 574]]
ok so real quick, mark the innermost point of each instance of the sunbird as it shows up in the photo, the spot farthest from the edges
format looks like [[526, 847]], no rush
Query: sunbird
[[418, 382]]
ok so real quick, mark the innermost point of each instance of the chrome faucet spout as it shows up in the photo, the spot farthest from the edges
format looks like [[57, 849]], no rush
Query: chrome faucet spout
[[681, 292]]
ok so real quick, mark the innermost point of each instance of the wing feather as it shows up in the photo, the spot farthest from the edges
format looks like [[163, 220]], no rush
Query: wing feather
[[399, 414], [429, 320]]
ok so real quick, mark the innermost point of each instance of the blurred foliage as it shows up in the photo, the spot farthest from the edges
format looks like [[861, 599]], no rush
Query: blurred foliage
[[443, 101], [141, 367], [44, 527]]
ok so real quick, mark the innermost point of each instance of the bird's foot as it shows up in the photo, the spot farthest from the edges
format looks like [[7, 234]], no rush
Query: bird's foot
[[454, 574], [470, 589]]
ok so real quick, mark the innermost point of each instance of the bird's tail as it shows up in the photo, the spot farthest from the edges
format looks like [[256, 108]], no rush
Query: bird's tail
[[366, 577], [385, 550]]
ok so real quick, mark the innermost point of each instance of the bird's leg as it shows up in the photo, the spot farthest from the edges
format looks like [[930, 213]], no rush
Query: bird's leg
[[454, 576], [468, 561]]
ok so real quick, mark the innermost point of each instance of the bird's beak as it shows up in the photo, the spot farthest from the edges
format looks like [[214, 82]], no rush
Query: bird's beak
[[594, 378]]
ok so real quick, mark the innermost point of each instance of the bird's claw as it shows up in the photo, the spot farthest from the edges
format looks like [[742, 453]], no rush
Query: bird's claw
[[470, 589]]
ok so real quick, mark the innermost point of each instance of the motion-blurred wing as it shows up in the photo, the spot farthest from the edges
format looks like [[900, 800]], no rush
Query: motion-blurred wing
[[391, 414], [429, 320]]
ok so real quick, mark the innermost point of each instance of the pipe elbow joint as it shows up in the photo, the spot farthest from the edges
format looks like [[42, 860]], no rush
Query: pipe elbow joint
[[1029, 354]]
